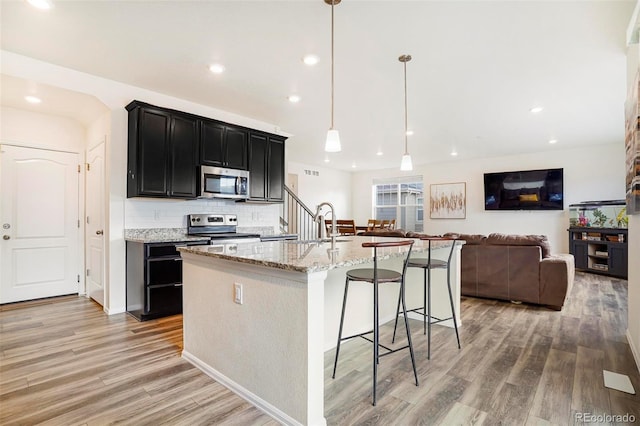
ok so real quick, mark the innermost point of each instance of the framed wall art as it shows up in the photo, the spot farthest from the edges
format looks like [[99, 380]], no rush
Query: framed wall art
[[448, 201]]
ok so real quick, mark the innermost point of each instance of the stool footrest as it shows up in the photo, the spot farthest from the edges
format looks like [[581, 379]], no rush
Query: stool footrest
[[363, 336], [424, 314]]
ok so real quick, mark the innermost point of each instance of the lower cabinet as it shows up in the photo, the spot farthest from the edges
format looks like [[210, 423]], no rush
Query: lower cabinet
[[154, 279], [600, 250]]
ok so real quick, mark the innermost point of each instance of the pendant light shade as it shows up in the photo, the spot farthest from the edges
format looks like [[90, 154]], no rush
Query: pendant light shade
[[333, 141], [406, 163], [333, 137]]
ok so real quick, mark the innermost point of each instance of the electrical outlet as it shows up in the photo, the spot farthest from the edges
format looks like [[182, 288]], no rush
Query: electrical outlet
[[237, 293]]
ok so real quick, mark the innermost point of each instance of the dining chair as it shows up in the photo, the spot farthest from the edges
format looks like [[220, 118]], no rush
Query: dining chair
[[346, 226]]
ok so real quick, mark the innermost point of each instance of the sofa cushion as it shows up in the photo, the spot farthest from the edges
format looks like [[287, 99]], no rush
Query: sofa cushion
[[521, 240], [411, 234], [470, 239]]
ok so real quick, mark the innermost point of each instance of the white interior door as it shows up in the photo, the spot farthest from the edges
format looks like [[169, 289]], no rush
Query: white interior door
[[94, 228], [39, 215]]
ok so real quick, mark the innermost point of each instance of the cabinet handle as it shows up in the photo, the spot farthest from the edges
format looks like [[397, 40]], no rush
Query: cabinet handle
[[177, 285]]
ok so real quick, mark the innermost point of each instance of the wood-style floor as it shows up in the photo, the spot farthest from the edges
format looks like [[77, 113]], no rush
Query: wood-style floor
[[64, 362]]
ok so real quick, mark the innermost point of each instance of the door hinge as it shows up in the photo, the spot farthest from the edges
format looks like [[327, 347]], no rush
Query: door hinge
[[87, 220], [87, 272], [78, 168], [88, 167], [78, 223], [78, 277]]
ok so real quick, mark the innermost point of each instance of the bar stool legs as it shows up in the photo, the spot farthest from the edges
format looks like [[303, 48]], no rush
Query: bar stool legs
[[428, 319], [376, 276]]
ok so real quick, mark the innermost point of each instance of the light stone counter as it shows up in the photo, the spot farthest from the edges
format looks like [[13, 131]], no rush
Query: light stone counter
[[308, 256], [270, 347]]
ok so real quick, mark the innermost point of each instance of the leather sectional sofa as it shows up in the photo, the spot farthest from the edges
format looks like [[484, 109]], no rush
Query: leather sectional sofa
[[517, 268]]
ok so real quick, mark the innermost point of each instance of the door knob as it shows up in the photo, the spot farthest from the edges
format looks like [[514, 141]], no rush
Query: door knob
[[99, 232], [6, 237]]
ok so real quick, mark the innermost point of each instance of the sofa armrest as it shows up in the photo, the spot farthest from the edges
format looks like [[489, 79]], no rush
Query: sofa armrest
[[556, 279]]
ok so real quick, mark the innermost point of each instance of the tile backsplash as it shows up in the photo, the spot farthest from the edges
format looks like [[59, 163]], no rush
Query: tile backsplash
[[151, 213]]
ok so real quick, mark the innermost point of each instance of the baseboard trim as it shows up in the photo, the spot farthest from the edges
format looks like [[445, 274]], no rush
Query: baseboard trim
[[241, 391], [113, 311], [635, 351]]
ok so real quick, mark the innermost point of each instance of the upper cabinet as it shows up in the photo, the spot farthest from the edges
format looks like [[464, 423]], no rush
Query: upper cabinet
[[266, 166], [223, 145], [162, 153], [166, 148]]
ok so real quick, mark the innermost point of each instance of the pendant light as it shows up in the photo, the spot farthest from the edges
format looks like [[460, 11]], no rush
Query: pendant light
[[405, 164], [333, 137]]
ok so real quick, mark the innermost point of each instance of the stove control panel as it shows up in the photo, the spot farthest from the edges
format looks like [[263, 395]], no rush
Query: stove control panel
[[212, 220]]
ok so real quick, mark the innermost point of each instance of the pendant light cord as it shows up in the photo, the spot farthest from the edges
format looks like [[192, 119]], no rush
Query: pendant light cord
[[406, 149], [332, 83]]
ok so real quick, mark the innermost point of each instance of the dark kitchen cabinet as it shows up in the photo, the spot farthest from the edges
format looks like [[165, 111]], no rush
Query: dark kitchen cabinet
[[266, 167], [154, 279], [223, 145], [162, 153]]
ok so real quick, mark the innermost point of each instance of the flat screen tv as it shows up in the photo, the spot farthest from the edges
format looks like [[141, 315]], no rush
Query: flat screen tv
[[524, 190]]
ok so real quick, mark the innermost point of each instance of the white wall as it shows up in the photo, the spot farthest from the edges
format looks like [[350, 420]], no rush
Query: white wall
[[35, 130], [589, 174], [329, 185]]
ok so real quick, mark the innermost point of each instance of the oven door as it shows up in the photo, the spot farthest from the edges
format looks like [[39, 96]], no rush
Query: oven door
[[217, 182]]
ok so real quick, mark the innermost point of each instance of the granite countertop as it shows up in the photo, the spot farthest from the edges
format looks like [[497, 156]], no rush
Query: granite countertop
[[160, 235], [309, 257]]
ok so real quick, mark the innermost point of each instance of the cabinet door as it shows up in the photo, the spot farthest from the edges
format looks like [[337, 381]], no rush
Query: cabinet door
[[183, 157], [152, 151], [258, 151], [212, 143], [276, 169], [618, 264], [236, 148], [580, 253]]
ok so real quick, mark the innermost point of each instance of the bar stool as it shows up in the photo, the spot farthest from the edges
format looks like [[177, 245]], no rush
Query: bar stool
[[427, 265], [376, 276]]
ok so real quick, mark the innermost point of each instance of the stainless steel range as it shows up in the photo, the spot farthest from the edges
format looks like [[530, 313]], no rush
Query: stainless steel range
[[221, 228]]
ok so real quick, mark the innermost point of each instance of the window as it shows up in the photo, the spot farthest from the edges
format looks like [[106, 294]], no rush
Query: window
[[400, 200]]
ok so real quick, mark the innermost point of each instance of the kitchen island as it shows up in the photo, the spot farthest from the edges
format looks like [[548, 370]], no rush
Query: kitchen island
[[267, 343]]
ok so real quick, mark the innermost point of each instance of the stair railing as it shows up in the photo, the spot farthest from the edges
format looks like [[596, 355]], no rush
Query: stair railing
[[297, 218]]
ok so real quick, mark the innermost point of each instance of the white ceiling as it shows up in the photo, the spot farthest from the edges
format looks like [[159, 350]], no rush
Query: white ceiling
[[477, 69]]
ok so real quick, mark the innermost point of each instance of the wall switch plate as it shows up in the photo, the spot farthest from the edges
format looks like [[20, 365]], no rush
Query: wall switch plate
[[237, 293]]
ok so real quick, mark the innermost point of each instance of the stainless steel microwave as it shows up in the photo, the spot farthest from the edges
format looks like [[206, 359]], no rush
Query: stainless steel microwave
[[218, 182]]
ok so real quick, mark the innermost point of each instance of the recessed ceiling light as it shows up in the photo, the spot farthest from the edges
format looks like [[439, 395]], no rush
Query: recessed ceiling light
[[326, 159], [41, 4], [216, 68], [552, 141], [536, 110], [379, 153], [353, 165], [454, 153], [32, 99], [409, 132], [310, 60], [294, 99]]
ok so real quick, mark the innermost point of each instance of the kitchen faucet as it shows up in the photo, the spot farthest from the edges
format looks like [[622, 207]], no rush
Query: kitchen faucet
[[318, 218]]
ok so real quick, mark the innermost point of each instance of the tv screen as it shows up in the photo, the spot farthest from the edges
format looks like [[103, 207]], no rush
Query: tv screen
[[524, 190]]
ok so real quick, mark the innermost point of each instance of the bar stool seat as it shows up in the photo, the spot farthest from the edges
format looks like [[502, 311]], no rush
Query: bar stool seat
[[427, 264], [384, 275], [376, 276]]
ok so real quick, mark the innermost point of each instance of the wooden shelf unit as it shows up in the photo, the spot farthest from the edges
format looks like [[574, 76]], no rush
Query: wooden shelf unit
[[600, 250]]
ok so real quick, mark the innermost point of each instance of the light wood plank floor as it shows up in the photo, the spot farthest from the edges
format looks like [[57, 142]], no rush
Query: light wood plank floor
[[64, 362]]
